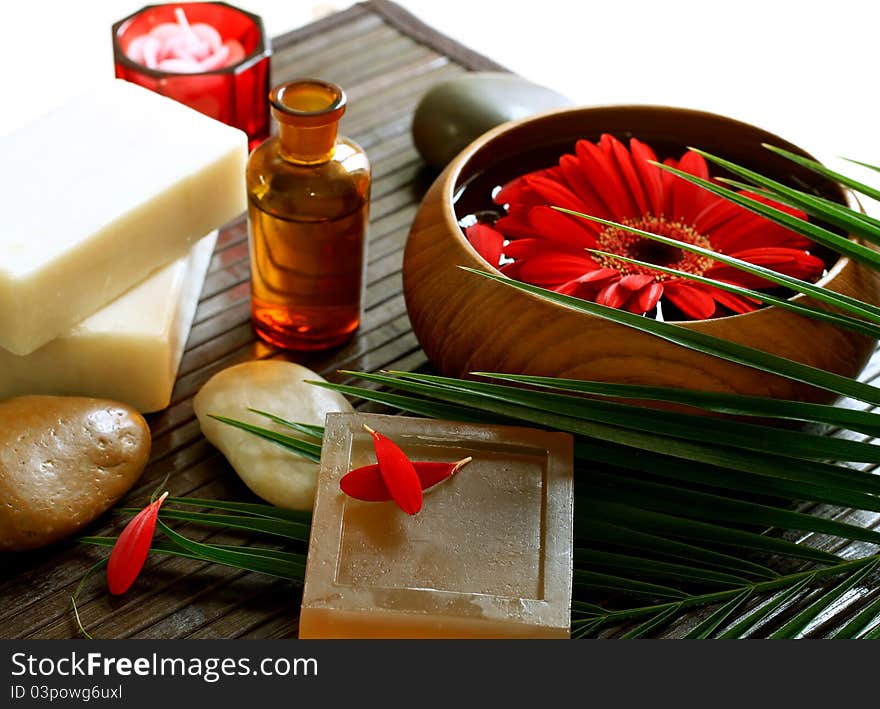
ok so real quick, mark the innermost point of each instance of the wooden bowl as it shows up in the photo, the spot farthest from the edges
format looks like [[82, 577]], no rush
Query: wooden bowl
[[466, 324]]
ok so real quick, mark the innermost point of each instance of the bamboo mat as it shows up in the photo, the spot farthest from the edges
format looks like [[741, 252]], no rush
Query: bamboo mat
[[385, 59]]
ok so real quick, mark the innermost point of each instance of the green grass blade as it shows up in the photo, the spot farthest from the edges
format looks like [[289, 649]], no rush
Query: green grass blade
[[743, 626], [829, 483], [838, 215], [406, 403], [715, 620], [802, 620], [305, 449], [737, 404], [830, 492], [701, 342], [652, 569], [861, 622], [253, 508], [836, 242], [293, 569], [695, 531], [872, 633], [843, 321], [603, 532], [657, 425], [296, 531], [713, 454], [832, 175], [585, 630], [627, 586], [652, 624], [702, 505], [170, 548], [586, 609], [306, 429]]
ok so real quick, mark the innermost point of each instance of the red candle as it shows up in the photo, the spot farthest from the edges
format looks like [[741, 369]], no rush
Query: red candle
[[210, 56]]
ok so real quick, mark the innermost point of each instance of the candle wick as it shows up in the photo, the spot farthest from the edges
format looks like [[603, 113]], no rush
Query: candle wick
[[181, 19]]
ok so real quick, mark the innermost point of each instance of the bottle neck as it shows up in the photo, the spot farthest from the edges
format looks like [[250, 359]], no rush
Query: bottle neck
[[307, 145]]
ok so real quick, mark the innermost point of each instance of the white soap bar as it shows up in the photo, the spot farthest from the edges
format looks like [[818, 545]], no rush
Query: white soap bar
[[129, 351], [100, 193]]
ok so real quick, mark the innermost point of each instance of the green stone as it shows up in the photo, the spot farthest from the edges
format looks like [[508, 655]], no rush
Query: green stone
[[454, 113]]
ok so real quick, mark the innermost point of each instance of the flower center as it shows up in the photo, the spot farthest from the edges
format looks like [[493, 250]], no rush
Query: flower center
[[624, 243]]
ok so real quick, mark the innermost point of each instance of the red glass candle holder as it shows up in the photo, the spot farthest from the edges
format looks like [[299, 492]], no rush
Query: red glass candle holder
[[235, 94]]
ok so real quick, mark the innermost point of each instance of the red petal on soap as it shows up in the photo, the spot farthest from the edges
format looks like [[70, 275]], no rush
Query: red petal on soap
[[398, 473], [130, 551], [366, 483]]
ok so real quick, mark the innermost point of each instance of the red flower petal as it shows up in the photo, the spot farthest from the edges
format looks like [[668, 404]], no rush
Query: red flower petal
[[553, 268], [732, 301], [518, 191], [691, 299], [624, 162], [515, 224], [131, 548], [398, 473], [688, 200], [749, 230], [667, 180], [715, 214], [555, 193], [563, 228], [581, 185], [487, 242], [603, 175], [631, 292], [366, 483], [789, 262], [649, 175], [589, 284]]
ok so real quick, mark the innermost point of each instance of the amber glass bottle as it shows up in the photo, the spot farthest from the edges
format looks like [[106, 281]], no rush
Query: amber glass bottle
[[308, 197]]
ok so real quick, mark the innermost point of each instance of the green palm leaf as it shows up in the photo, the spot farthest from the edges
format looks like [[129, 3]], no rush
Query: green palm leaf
[[253, 508], [652, 624], [707, 344], [310, 451], [820, 169], [737, 404], [802, 620], [820, 235], [296, 531], [743, 626], [835, 214], [745, 461], [708, 626], [844, 321], [861, 622], [315, 432], [846, 303]]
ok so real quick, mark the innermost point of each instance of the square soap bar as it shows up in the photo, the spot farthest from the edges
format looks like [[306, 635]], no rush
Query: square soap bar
[[488, 556], [100, 193], [128, 351]]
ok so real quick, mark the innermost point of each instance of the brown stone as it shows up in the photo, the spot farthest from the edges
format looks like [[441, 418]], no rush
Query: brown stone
[[63, 462]]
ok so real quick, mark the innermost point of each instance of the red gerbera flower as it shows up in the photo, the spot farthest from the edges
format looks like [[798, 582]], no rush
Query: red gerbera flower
[[545, 247]]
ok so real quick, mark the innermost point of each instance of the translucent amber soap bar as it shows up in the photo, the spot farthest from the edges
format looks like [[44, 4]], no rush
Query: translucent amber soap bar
[[488, 556], [100, 193], [128, 351]]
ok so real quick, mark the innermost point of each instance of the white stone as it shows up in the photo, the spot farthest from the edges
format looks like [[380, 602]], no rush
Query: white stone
[[272, 472], [129, 351], [100, 193]]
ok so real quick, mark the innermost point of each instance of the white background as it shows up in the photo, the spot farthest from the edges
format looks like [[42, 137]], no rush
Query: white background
[[804, 70]]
